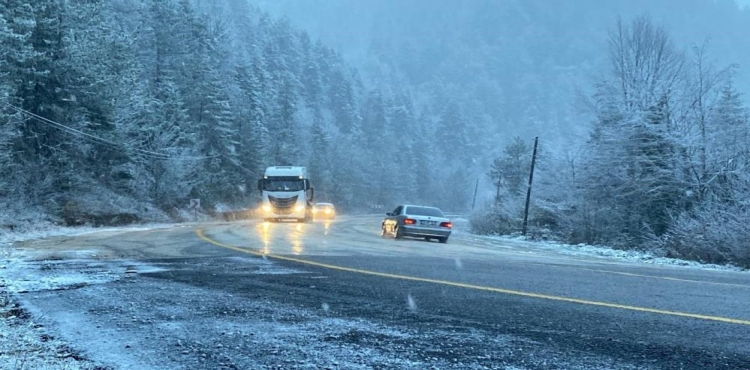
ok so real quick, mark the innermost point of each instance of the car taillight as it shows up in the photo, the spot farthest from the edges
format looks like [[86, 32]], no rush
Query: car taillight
[[410, 221], [446, 224]]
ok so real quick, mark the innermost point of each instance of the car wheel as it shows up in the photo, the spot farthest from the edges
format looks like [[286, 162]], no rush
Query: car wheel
[[399, 233], [443, 240]]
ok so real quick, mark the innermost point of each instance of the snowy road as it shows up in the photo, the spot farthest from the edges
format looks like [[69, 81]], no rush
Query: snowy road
[[336, 295]]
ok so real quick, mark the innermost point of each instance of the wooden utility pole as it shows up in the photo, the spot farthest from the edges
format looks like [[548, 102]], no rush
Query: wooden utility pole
[[528, 190], [474, 203]]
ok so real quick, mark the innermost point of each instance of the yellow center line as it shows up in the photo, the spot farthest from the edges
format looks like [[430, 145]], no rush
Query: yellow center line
[[667, 278], [201, 235]]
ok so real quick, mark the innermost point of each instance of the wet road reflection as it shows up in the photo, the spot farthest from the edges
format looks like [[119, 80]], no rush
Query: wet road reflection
[[297, 238], [264, 230], [290, 238], [323, 237]]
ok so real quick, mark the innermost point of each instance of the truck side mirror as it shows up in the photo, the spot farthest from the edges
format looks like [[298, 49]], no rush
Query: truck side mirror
[[312, 193]]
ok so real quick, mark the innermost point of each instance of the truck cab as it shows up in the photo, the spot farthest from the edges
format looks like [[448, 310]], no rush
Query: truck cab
[[287, 194]]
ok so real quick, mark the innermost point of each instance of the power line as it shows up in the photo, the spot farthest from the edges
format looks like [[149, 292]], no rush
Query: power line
[[100, 140], [74, 131]]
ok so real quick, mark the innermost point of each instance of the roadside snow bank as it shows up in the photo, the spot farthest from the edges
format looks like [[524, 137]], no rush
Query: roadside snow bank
[[25, 274], [584, 250], [25, 344], [46, 230]]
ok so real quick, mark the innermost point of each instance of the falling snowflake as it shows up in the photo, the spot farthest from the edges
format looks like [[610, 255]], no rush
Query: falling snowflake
[[410, 302]]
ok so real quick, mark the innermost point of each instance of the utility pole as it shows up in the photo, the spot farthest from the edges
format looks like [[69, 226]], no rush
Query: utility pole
[[528, 190], [476, 187]]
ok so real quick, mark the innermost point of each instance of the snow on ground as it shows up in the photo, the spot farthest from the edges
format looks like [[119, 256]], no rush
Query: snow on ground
[[584, 250], [44, 230], [462, 226], [29, 275], [25, 344], [19, 269]]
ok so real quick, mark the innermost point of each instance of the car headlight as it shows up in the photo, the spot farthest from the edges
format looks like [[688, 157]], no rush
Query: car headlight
[[328, 211]]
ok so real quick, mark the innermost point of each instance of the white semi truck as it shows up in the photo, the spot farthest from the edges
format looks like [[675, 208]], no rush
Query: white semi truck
[[286, 194]]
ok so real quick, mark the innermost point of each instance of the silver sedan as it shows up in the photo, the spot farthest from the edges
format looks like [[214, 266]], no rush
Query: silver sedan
[[417, 221]]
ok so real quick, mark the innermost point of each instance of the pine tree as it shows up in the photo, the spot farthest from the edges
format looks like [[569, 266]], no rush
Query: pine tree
[[401, 119], [320, 163], [216, 136], [50, 157], [729, 125], [451, 135], [420, 166], [90, 41], [374, 121], [343, 103], [9, 119], [250, 129], [510, 170], [652, 191], [728, 145], [283, 126], [310, 73]]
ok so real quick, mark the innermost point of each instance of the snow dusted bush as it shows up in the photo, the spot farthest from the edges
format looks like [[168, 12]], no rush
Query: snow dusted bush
[[714, 234], [19, 215], [493, 221]]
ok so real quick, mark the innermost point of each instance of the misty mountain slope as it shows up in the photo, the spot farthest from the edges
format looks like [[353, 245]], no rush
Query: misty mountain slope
[[515, 65]]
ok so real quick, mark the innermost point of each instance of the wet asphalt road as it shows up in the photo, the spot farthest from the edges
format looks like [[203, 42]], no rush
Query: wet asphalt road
[[337, 295]]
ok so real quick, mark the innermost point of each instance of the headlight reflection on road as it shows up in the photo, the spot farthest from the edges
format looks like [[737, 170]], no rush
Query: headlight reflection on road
[[296, 239], [327, 226], [264, 229], [297, 247]]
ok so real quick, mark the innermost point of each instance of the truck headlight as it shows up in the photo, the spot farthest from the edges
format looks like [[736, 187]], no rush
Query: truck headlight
[[267, 208], [300, 208]]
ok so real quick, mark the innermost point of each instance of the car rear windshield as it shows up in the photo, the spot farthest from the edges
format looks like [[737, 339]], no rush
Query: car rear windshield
[[424, 211]]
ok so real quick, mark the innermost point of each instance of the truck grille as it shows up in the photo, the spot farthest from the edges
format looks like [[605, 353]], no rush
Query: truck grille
[[283, 206]]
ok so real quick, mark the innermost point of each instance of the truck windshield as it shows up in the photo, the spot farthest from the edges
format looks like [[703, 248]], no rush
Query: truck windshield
[[283, 185]]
